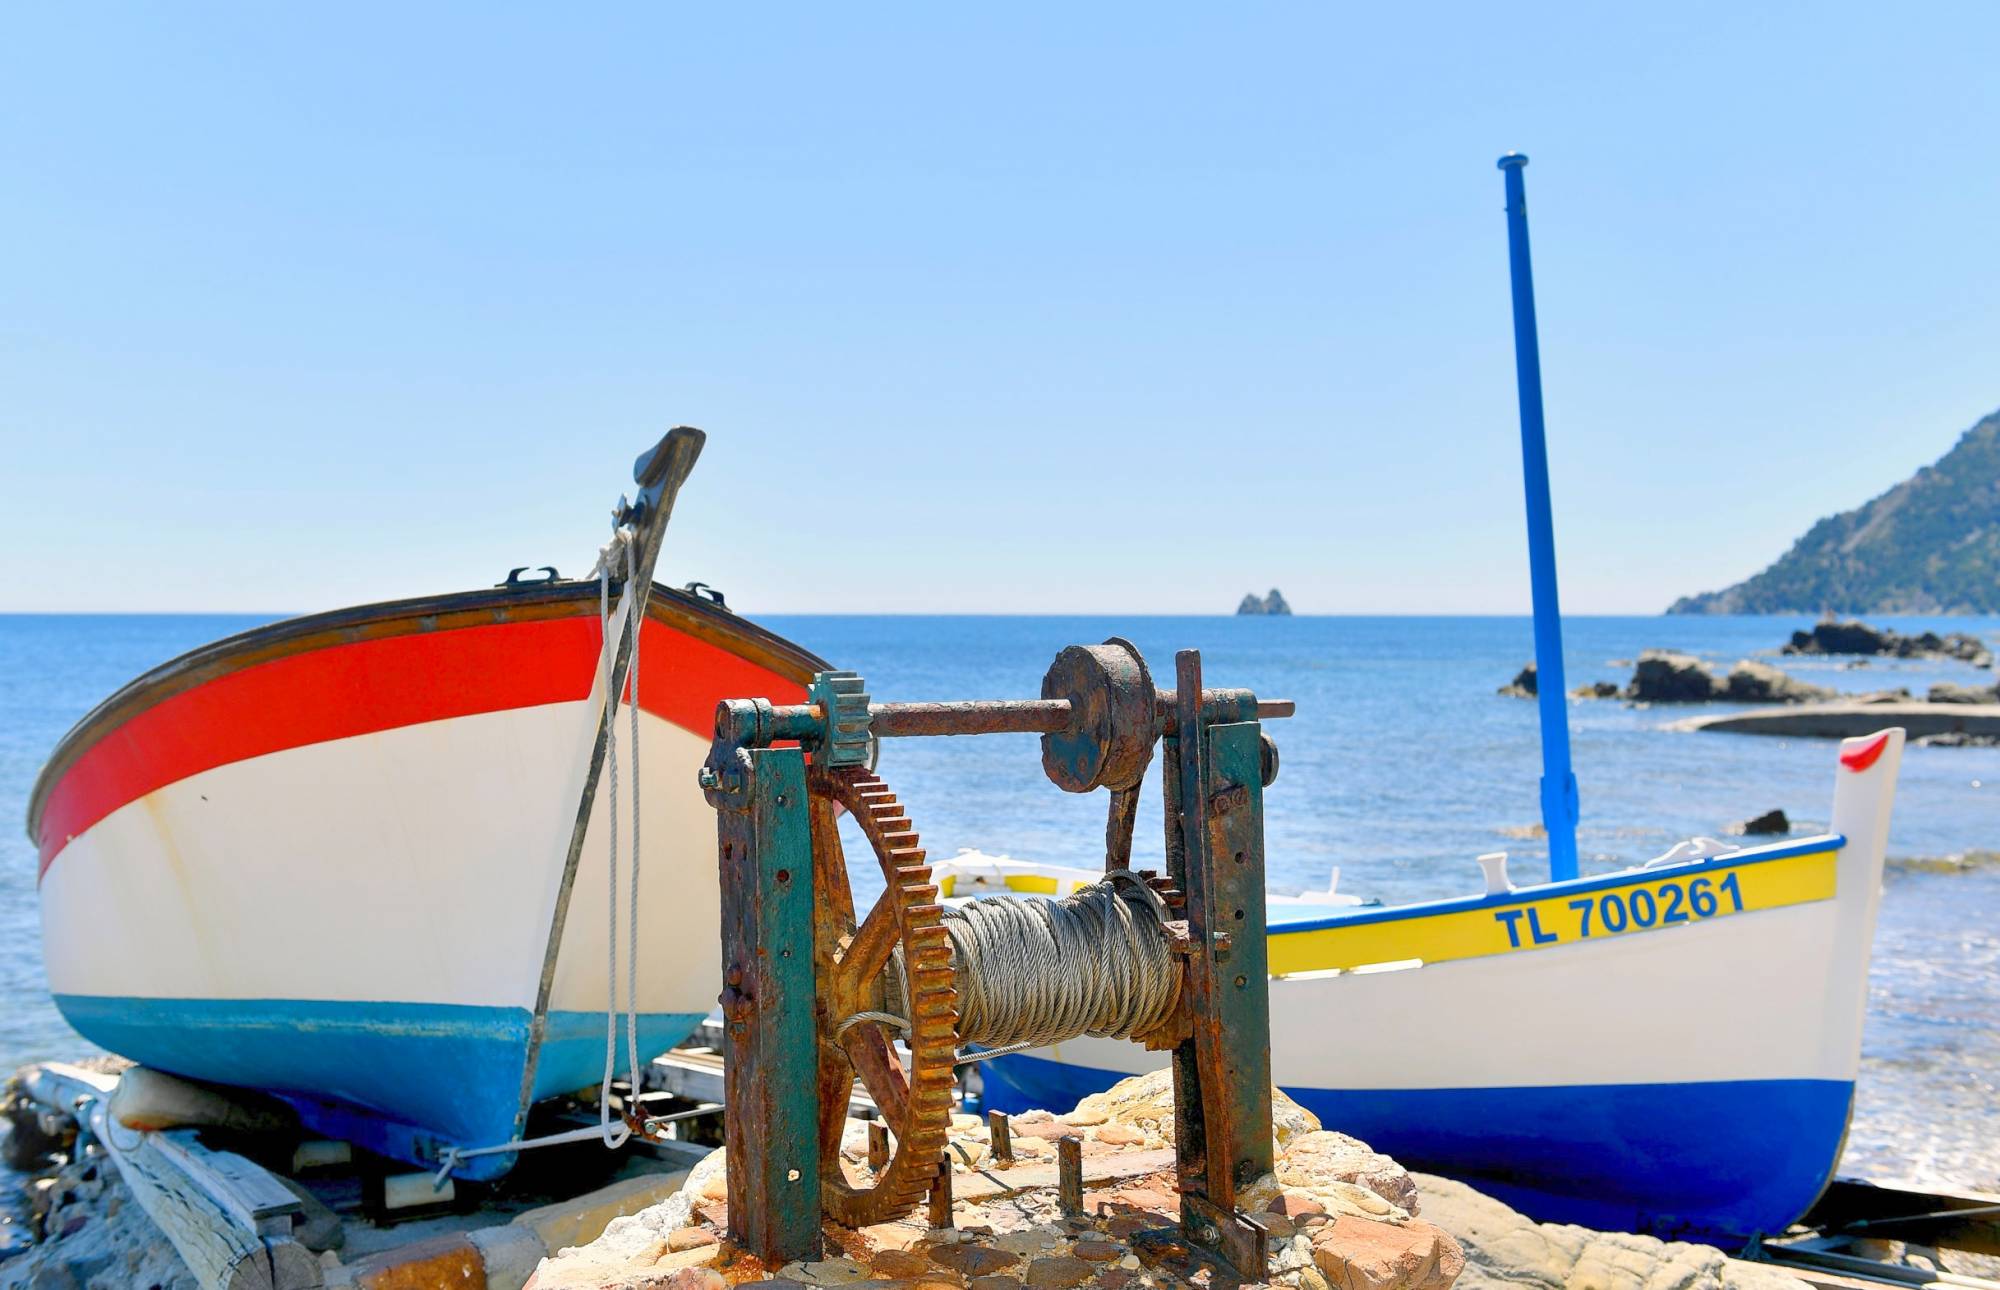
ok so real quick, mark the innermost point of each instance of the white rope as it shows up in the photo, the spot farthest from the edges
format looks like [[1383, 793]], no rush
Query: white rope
[[614, 1136], [635, 626], [611, 1135]]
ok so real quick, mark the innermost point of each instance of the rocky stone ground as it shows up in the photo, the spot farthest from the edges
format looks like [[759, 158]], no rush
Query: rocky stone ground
[[1505, 1250], [93, 1236], [1340, 1216]]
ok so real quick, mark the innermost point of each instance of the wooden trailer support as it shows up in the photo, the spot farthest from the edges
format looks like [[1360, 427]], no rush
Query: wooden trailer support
[[230, 1221]]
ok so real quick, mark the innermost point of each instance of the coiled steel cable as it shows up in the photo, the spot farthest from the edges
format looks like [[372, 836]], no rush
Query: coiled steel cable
[[1036, 972]]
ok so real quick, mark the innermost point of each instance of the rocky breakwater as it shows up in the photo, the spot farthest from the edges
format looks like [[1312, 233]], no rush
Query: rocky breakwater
[[1852, 636], [1662, 676], [1340, 1217]]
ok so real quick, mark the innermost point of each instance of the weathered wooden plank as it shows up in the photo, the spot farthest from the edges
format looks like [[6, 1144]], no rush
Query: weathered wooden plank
[[219, 1250], [60, 1086], [696, 1074], [257, 1201]]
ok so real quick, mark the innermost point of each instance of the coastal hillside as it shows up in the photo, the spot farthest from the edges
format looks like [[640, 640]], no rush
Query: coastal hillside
[[1931, 544]]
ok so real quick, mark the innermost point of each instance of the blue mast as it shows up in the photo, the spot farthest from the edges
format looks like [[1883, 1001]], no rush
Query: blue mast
[[1559, 800]]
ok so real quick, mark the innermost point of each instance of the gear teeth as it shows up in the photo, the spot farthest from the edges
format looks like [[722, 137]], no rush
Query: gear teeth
[[932, 1004]]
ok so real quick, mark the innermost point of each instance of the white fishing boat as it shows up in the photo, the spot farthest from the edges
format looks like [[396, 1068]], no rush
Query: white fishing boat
[[361, 858], [1669, 1048]]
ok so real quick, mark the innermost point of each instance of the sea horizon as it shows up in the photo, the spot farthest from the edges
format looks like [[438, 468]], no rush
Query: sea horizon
[[1401, 766]]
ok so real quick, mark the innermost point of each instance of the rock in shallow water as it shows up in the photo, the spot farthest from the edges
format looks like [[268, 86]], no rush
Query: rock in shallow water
[[1770, 822], [1753, 682], [1662, 676]]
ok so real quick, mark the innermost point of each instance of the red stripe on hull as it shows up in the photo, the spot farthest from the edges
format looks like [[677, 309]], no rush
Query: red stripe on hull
[[346, 690]]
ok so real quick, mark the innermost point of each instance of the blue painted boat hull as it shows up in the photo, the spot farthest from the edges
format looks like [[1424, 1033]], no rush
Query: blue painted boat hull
[[406, 1080], [1717, 1161]]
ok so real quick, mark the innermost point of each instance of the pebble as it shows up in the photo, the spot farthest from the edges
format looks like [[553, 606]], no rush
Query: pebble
[[1277, 1225], [1086, 1118], [1294, 1203], [1057, 1272], [1047, 1130], [900, 1263], [693, 1279], [1120, 1135], [1027, 1241], [973, 1260], [825, 1272], [1130, 1263], [688, 1238], [992, 1283], [1097, 1251], [1146, 1198]]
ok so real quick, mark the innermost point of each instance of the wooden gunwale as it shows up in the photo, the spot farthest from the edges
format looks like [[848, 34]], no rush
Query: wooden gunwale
[[680, 610]]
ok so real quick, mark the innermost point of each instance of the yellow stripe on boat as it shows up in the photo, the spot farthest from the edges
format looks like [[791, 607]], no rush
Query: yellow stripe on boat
[[1034, 883], [1588, 911]]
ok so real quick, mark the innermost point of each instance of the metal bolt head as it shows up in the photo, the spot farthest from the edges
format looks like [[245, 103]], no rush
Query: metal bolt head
[[708, 778]]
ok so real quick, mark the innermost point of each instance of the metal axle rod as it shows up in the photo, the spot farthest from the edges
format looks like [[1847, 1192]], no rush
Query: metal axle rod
[[986, 716]]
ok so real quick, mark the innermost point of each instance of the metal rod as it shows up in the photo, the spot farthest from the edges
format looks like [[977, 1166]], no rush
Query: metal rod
[[1069, 1175], [878, 1146], [983, 717], [1559, 797], [1007, 716], [999, 1139], [940, 1198]]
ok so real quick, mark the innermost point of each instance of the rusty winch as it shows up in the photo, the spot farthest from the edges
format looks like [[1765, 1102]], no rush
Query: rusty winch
[[815, 997]]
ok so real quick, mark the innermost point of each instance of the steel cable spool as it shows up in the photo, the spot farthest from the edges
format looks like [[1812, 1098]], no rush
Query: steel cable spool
[[1039, 972], [1032, 972]]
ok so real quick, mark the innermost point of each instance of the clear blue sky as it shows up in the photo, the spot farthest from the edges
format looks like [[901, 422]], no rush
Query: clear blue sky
[[1004, 308]]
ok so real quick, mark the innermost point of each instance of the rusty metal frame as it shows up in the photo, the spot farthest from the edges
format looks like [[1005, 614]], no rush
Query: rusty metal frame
[[1101, 721]]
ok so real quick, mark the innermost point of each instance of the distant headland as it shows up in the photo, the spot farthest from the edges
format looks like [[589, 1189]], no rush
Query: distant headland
[[1930, 545], [1271, 604]]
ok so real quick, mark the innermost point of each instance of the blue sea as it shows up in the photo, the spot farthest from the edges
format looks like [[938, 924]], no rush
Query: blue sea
[[1401, 766]]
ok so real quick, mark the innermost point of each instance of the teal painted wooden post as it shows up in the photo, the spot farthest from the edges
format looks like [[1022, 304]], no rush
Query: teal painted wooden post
[[1222, 1072], [1236, 908], [771, 1081]]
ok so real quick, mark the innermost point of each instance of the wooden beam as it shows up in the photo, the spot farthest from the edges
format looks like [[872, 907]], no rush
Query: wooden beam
[[218, 1209], [60, 1086]]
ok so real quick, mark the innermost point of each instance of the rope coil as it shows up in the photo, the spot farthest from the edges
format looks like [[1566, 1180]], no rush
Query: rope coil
[[1036, 972]]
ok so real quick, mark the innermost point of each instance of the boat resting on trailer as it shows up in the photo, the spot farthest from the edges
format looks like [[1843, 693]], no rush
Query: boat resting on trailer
[[1669, 1049], [359, 858]]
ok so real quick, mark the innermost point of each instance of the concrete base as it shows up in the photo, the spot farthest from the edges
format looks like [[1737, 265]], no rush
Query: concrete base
[[1846, 720]]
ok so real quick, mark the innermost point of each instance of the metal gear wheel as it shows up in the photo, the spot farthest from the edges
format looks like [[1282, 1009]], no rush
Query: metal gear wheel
[[853, 971]]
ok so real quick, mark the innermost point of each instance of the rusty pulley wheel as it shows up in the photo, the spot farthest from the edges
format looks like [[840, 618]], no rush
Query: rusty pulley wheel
[[1111, 725], [852, 969]]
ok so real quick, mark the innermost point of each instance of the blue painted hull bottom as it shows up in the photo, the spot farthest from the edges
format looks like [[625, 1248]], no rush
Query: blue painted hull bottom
[[402, 1079], [1716, 1161]]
